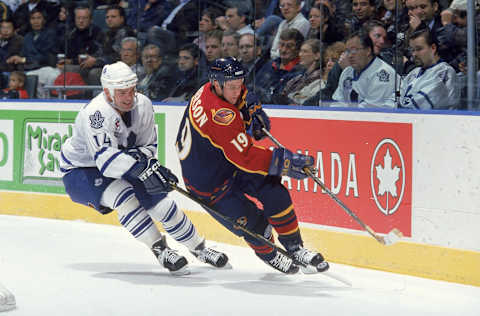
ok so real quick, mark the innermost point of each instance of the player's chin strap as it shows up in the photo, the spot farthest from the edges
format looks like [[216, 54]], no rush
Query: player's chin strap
[[393, 236], [235, 224]]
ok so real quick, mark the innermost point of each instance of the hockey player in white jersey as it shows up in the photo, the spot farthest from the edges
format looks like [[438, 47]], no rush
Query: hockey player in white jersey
[[114, 144], [431, 85], [7, 299], [368, 81]]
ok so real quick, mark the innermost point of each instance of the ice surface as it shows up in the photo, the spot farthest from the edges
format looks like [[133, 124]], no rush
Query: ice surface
[[69, 268]]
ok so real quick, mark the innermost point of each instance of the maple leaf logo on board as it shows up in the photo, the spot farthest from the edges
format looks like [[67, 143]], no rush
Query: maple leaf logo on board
[[387, 176]]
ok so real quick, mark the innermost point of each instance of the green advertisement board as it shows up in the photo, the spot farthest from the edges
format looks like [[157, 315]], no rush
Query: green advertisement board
[[30, 146]]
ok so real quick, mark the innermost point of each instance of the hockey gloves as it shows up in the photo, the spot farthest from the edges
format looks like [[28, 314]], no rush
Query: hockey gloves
[[155, 177], [286, 163], [254, 116]]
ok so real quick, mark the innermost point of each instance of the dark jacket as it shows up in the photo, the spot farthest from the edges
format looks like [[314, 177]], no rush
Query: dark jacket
[[88, 41], [39, 49], [10, 47]]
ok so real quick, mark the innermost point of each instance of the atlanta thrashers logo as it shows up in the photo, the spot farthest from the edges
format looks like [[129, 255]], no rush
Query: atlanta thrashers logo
[[387, 176]]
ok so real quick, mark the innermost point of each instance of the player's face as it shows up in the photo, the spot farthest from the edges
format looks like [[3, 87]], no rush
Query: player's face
[[423, 54], [378, 35], [358, 56], [124, 98], [231, 90]]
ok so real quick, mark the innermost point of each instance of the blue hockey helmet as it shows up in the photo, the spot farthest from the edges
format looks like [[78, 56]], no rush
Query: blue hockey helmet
[[226, 69]]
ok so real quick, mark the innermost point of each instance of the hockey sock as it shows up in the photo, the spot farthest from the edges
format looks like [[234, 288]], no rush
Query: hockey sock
[[285, 224], [176, 223]]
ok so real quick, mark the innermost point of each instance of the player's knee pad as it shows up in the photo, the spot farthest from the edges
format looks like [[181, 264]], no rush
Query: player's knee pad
[[176, 223]]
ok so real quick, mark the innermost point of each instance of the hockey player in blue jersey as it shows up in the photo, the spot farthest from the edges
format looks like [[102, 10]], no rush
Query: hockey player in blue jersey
[[221, 165], [113, 146]]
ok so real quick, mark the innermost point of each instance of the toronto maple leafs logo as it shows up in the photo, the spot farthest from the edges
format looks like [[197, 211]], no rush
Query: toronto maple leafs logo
[[96, 120], [383, 76], [443, 75], [387, 177], [347, 83]]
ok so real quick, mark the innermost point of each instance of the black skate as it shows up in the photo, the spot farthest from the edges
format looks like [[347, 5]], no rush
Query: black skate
[[210, 256], [283, 264], [169, 258], [314, 261]]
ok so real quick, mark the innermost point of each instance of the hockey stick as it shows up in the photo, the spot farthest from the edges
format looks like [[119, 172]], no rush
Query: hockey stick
[[392, 237], [236, 225]]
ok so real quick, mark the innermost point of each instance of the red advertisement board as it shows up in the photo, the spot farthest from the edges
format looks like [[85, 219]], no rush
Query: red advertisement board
[[368, 165]]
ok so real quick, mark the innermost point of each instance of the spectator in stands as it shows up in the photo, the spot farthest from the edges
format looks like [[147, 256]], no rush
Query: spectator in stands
[[237, 18], [323, 25], [334, 61], [363, 11], [84, 41], [110, 52], [206, 24], [143, 14], [274, 74], [10, 44], [190, 76], [60, 26], [130, 52], [331, 56], [158, 80], [294, 19], [250, 54], [213, 45], [368, 81], [426, 12], [230, 43], [309, 81], [38, 44], [16, 87], [432, 85], [21, 17]]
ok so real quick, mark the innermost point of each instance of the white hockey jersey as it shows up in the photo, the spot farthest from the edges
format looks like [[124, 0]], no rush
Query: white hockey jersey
[[430, 88], [374, 86], [101, 135]]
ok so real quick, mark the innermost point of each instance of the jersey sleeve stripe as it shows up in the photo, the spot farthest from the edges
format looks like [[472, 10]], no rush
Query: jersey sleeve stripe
[[109, 161]]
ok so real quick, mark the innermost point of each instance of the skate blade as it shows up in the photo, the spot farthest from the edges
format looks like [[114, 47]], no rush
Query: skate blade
[[309, 269], [182, 271]]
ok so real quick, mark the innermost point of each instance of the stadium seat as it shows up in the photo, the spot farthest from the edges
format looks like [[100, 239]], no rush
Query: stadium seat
[[98, 18]]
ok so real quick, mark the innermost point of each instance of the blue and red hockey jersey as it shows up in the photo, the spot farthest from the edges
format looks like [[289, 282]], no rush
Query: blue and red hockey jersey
[[213, 145]]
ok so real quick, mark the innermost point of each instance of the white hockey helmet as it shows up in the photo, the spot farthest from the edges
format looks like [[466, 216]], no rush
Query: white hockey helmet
[[117, 76]]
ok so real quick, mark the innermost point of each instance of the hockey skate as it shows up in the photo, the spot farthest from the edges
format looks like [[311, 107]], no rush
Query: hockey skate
[[210, 256], [175, 263], [7, 300], [283, 264], [314, 261]]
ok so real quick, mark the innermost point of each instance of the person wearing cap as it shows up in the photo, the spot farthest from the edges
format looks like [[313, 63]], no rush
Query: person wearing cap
[[221, 165], [110, 163]]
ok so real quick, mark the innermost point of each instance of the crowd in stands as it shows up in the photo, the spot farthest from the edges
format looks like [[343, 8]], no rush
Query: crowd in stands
[[339, 53]]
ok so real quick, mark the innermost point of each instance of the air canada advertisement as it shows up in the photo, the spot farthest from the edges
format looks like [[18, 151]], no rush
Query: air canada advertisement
[[367, 165]]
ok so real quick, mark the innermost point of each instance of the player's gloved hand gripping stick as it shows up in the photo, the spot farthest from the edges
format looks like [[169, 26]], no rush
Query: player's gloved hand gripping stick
[[393, 236]]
